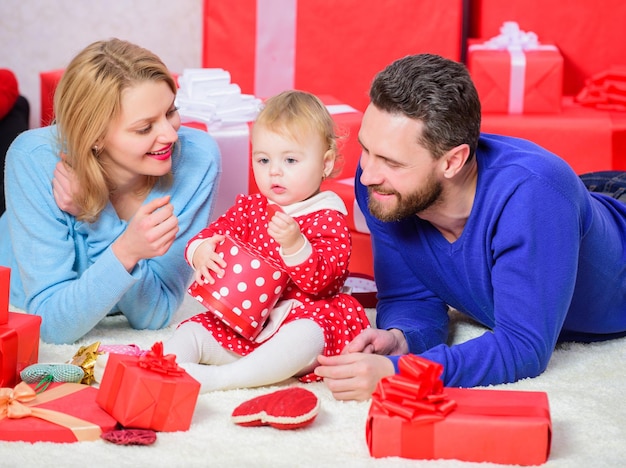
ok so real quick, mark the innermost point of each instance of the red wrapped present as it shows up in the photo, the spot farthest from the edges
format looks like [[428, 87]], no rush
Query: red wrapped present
[[605, 90], [588, 139], [249, 289], [48, 81], [19, 336], [320, 46], [413, 416], [65, 412], [515, 74], [5, 289], [148, 392], [587, 33], [361, 260]]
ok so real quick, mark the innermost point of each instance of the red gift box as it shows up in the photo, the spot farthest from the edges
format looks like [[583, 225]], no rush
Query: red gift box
[[19, 336], [148, 392], [361, 259], [320, 46], [588, 139], [413, 416], [65, 412], [249, 289], [516, 79], [5, 289], [586, 32], [48, 81]]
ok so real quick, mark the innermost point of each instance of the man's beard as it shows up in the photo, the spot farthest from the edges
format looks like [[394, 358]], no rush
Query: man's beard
[[407, 205]]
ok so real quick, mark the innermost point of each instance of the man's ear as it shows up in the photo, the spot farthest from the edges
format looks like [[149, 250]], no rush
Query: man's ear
[[454, 160]]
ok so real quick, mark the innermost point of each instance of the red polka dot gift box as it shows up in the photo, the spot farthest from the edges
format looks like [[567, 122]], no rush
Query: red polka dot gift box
[[249, 289]]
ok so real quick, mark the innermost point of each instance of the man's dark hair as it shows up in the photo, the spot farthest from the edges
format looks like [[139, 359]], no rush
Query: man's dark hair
[[437, 91]]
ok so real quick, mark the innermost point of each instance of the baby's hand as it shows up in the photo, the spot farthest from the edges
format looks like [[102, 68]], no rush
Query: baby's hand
[[286, 231], [206, 260]]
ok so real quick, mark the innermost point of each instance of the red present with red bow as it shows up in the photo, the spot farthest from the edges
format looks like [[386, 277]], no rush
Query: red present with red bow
[[413, 416], [65, 412], [19, 336], [148, 392]]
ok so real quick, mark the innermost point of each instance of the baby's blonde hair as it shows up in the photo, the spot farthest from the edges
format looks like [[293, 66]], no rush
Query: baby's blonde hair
[[87, 99], [296, 112]]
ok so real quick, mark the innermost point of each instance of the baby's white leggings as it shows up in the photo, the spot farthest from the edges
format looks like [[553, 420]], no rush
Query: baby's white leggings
[[290, 352]]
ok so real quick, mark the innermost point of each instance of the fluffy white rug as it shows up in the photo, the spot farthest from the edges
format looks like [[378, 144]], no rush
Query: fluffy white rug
[[585, 386]]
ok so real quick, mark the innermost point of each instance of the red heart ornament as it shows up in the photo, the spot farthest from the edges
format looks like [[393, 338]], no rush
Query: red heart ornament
[[290, 408]]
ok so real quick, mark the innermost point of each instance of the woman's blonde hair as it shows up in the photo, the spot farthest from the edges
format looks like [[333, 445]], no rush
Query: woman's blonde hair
[[296, 112], [87, 99]]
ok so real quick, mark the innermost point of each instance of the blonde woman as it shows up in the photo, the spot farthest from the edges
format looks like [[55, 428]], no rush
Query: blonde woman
[[101, 204]]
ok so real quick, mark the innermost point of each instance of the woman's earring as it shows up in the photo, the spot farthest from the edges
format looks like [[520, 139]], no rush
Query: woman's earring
[[94, 150]]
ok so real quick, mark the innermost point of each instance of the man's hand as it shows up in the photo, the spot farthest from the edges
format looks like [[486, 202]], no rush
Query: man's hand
[[375, 341], [353, 376]]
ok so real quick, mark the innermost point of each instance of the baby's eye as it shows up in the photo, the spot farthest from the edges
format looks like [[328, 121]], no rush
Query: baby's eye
[[263, 161], [291, 160]]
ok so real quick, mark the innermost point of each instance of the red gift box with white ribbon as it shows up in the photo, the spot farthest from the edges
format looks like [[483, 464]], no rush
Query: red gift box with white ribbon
[[514, 74], [324, 46]]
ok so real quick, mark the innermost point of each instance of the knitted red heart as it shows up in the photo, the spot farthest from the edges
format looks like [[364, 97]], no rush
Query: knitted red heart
[[290, 408]]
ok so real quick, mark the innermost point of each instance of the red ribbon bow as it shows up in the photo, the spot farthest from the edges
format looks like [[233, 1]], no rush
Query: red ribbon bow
[[416, 393], [154, 360]]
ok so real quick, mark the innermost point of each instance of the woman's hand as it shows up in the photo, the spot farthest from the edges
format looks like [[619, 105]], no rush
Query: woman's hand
[[64, 187], [150, 233]]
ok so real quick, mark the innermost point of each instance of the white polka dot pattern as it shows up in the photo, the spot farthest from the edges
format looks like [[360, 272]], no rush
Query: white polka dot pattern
[[316, 282], [247, 276]]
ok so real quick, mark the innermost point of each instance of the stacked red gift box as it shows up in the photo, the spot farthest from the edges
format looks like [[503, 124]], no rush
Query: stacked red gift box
[[19, 336], [570, 96], [332, 49]]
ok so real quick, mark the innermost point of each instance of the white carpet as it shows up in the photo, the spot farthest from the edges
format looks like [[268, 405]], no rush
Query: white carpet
[[585, 385]]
